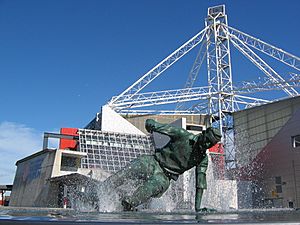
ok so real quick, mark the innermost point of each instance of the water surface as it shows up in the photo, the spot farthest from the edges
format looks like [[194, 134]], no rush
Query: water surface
[[9, 215]]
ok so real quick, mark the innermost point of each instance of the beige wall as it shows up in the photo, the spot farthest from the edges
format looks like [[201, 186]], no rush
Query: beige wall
[[265, 149], [255, 127], [139, 120], [282, 160]]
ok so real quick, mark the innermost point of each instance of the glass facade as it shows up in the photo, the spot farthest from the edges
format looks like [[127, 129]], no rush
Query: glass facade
[[111, 151]]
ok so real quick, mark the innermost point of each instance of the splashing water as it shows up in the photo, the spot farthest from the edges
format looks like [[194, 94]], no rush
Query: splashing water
[[221, 195], [109, 201]]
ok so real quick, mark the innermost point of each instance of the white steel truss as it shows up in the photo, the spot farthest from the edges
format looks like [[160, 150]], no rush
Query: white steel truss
[[263, 66], [161, 67], [194, 71], [220, 98], [276, 53], [198, 93], [130, 103]]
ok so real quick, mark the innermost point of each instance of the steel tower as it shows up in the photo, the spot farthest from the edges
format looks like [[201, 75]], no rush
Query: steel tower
[[220, 98]]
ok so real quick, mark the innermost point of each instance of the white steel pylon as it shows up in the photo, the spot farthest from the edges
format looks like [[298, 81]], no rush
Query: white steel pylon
[[220, 106], [220, 98]]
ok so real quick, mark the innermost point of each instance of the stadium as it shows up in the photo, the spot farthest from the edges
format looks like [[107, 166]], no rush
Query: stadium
[[256, 164]]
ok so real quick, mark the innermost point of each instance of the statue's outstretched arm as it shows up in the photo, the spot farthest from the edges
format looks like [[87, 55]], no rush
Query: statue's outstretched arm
[[172, 131]]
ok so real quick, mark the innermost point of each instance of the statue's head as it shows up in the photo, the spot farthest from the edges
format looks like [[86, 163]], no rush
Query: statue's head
[[209, 138]]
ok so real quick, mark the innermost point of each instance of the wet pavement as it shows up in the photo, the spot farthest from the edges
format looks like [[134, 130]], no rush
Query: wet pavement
[[39, 216]]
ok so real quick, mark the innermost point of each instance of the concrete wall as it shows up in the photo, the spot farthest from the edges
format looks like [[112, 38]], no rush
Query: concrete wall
[[280, 162], [31, 186], [256, 127], [275, 169]]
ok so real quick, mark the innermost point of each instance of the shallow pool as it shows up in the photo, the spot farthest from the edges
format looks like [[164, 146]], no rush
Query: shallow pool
[[9, 215]]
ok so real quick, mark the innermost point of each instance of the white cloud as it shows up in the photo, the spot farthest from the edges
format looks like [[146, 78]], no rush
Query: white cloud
[[16, 142]]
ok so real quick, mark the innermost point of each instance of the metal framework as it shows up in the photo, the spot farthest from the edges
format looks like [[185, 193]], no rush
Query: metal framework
[[220, 98], [159, 68], [111, 151]]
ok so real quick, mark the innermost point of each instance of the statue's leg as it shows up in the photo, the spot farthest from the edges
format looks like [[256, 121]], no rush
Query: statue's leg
[[198, 199], [155, 186], [201, 183], [200, 187]]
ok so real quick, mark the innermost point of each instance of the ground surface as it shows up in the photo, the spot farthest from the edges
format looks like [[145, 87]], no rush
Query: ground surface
[[39, 216]]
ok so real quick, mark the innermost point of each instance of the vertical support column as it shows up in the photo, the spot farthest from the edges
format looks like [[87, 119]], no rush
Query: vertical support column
[[2, 198], [220, 101], [65, 197]]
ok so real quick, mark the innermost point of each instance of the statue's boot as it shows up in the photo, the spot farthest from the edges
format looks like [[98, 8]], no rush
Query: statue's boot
[[127, 206], [206, 210]]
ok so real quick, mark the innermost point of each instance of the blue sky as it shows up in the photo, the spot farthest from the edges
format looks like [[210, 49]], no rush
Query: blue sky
[[60, 61]]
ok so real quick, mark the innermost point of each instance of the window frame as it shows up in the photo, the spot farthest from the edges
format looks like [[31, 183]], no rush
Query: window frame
[[296, 141]]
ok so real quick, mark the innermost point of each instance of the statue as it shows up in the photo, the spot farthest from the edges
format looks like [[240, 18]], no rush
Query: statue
[[184, 151]]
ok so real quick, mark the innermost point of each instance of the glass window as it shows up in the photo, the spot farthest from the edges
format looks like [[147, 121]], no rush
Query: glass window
[[296, 141], [278, 180], [279, 189], [69, 163]]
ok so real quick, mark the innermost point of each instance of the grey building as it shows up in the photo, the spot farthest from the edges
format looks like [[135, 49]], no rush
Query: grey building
[[268, 152]]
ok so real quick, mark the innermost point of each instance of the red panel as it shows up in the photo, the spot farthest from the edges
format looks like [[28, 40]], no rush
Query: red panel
[[218, 160], [66, 143], [218, 148]]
